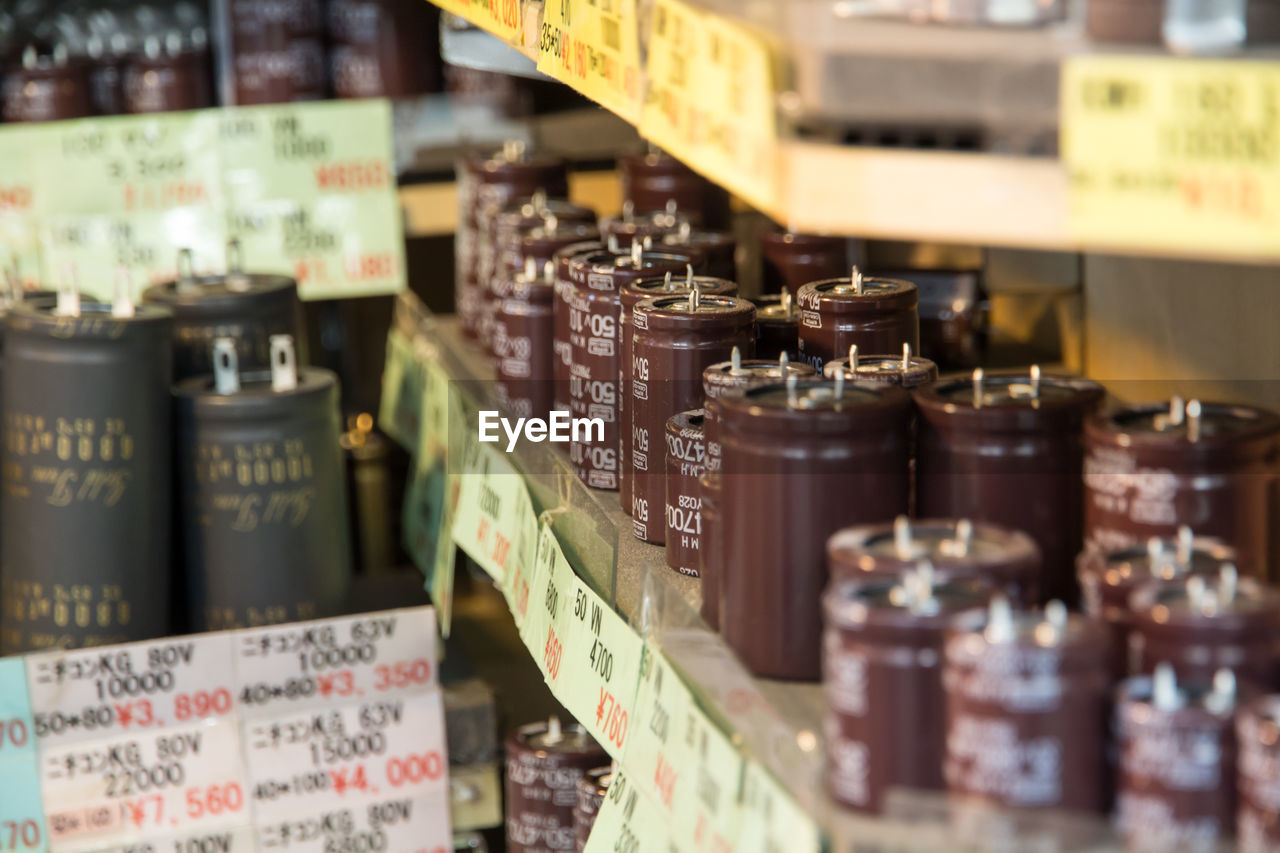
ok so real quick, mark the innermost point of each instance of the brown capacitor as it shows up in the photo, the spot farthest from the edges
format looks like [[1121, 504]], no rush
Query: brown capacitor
[[953, 315], [675, 339], [618, 232], [597, 280], [1026, 708], [1137, 21], [377, 48], [711, 551], [1205, 624], [632, 294], [1007, 561], [793, 260], [1258, 775], [686, 462], [522, 342], [652, 181], [167, 80], [544, 763], [1176, 750], [876, 314], [718, 249], [906, 370], [592, 789], [1005, 449], [560, 323], [777, 326], [1214, 467], [46, 88], [107, 60], [1109, 578], [882, 674], [543, 242], [799, 461], [271, 53]]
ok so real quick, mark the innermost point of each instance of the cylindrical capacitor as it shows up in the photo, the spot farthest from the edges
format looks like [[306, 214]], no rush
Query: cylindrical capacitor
[[653, 181], [793, 260], [907, 370], [592, 789], [597, 280], [1005, 449], [620, 231], [377, 49], [876, 314], [85, 556], [1108, 580], [1176, 748], [369, 469], [269, 53], [1258, 775], [1008, 561], [522, 342], [46, 88], [882, 672], [633, 294], [1209, 623], [168, 76], [718, 249], [711, 548], [676, 338], [1026, 703], [544, 763], [953, 314], [1212, 466], [777, 326], [686, 462], [265, 525], [247, 307], [560, 345], [799, 461], [544, 242]]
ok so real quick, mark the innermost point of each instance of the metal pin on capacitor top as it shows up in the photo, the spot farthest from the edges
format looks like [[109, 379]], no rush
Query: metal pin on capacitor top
[[544, 763], [86, 473], [1175, 744], [777, 326], [907, 370], [718, 249], [655, 181], [265, 525], [877, 314]]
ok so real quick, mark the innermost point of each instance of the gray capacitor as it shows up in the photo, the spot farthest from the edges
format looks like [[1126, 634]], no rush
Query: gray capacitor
[[265, 528], [86, 505], [248, 307]]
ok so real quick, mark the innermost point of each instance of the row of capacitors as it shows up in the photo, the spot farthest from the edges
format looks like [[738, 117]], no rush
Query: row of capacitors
[[168, 466]]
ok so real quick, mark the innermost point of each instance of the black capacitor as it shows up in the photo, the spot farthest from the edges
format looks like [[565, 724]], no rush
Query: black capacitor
[[777, 326], [247, 307], [544, 763], [907, 370], [265, 529], [85, 556], [592, 789]]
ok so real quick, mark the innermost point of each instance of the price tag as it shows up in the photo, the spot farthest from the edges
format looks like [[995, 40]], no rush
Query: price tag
[[328, 759], [500, 17], [22, 825], [546, 611], [117, 690], [110, 791], [312, 664], [601, 669], [656, 755], [1173, 154], [403, 392], [424, 511], [711, 817], [628, 820], [436, 419], [486, 523], [404, 824], [524, 554], [240, 839], [594, 46], [712, 99], [771, 819]]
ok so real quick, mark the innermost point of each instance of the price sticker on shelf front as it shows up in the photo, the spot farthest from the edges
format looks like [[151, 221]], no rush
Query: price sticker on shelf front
[[711, 817], [493, 507], [771, 819], [656, 755], [500, 17], [1173, 154], [547, 605], [628, 820], [594, 46]]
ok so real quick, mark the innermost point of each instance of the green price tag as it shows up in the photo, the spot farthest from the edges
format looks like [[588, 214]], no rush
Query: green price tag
[[628, 821], [709, 816], [490, 506], [435, 409], [403, 392], [524, 567], [771, 819], [601, 669], [21, 808], [547, 606], [655, 751]]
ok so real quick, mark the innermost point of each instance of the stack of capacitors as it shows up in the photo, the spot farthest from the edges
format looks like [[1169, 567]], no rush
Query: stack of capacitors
[[168, 465], [557, 777]]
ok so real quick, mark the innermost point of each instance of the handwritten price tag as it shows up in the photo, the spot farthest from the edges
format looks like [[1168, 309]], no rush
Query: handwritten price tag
[[115, 690], [628, 821], [594, 46], [656, 755], [601, 669], [1171, 154], [771, 819], [240, 839], [500, 17], [487, 520], [22, 825], [312, 664], [546, 619], [711, 818], [404, 824]]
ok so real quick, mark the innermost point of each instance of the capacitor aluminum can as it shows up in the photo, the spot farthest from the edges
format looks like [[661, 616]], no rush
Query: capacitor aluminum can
[[47, 88], [882, 674], [886, 368], [597, 280], [1145, 476], [167, 82], [711, 551], [799, 463], [544, 242], [834, 316], [725, 380], [85, 558], [1027, 715], [377, 50], [619, 232], [793, 260], [718, 249], [1014, 461], [246, 307], [1176, 779], [1258, 775], [269, 53], [777, 328], [953, 315], [1007, 561], [592, 789], [1234, 626], [676, 338], [632, 295], [266, 534], [523, 346], [685, 463], [1109, 578], [543, 770], [653, 181], [563, 359]]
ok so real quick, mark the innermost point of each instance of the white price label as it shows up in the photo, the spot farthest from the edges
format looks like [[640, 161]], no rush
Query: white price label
[[240, 839], [129, 787], [308, 664], [114, 690], [408, 824], [327, 759]]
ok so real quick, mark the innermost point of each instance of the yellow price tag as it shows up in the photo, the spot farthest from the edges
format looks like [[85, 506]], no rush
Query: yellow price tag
[[489, 505], [546, 607], [771, 819], [1173, 154], [711, 818], [594, 46], [656, 754], [500, 17]]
